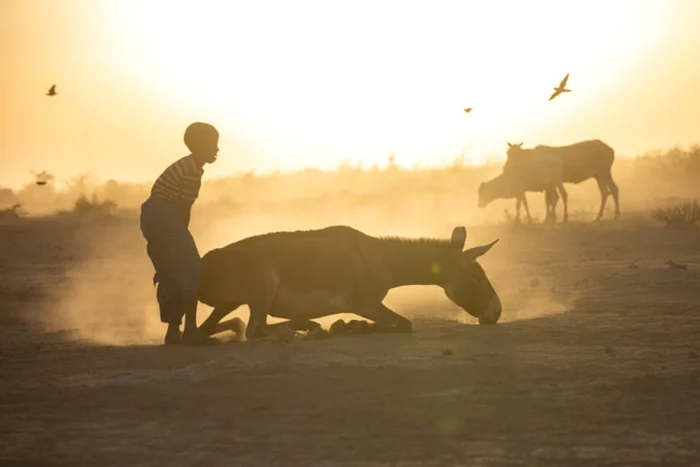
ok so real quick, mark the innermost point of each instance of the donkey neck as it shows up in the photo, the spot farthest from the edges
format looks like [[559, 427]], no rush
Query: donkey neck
[[413, 262]]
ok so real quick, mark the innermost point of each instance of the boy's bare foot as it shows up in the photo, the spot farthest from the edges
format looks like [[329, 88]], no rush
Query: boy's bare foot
[[173, 336], [198, 338]]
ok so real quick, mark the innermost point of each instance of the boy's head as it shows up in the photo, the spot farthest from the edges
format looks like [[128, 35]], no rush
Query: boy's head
[[202, 140]]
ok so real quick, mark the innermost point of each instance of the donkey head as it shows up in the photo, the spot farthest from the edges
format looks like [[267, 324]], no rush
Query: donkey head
[[465, 281]]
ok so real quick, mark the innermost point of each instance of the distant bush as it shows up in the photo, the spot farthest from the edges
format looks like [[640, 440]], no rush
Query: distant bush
[[13, 212], [682, 213], [93, 205]]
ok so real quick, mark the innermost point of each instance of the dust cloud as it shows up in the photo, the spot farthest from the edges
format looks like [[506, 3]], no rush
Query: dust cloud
[[107, 296]]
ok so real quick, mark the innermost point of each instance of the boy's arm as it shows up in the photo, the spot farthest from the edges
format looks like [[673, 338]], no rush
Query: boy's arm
[[190, 191]]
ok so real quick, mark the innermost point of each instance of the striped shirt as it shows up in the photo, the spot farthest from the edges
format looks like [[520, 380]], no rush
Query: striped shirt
[[180, 182]]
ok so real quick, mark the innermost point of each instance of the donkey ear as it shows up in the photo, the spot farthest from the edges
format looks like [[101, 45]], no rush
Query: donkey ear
[[510, 145], [459, 237], [520, 144], [472, 254]]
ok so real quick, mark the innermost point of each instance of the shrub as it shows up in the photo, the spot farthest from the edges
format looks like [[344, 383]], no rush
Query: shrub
[[93, 205], [681, 213], [13, 212]]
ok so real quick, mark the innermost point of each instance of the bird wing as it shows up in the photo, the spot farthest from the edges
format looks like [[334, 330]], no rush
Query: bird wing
[[554, 94], [53, 88], [563, 82]]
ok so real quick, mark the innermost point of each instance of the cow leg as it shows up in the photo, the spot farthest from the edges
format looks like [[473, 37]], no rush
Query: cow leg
[[603, 196], [615, 194], [387, 320], [550, 201], [548, 205], [523, 199], [527, 209], [553, 201], [564, 199]]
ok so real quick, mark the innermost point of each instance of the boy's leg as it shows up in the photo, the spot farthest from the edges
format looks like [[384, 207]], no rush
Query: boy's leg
[[169, 292], [169, 298], [191, 273], [168, 289], [178, 269], [156, 227]]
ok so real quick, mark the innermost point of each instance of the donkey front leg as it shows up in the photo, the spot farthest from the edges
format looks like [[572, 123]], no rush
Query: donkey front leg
[[294, 325], [214, 325], [387, 320]]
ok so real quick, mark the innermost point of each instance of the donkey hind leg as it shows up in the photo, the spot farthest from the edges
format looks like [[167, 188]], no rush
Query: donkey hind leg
[[260, 306], [603, 188], [564, 199], [386, 320]]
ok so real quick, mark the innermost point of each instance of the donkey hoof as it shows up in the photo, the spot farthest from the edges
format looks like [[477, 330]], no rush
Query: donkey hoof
[[487, 320], [317, 333]]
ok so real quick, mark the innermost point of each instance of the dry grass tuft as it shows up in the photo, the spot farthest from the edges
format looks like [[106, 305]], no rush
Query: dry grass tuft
[[94, 206], [679, 214], [13, 212]]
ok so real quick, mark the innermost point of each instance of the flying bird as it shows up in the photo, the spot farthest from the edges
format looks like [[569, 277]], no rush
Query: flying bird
[[42, 178], [561, 88], [468, 109], [52, 91]]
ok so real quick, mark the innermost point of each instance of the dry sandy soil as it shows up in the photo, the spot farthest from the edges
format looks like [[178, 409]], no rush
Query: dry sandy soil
[[595, 361]]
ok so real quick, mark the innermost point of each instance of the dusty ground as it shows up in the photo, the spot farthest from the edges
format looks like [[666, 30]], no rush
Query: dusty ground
[[594, 363]]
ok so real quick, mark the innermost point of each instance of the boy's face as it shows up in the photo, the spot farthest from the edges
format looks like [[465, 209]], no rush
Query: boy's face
[[208, 149]]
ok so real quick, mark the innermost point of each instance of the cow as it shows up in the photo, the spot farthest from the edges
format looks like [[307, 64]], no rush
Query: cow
[[580, 161], [539, 173]]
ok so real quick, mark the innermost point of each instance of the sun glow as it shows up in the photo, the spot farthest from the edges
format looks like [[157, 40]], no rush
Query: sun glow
[[315, 83]]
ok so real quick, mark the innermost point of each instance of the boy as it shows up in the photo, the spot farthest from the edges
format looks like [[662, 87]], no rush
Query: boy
[[165, 218]]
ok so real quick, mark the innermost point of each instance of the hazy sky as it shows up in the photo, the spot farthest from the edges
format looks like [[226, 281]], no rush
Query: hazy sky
[[313, 83]]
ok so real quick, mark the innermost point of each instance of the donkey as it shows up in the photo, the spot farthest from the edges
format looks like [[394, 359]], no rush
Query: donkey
[[541, 173], [580, 161], [305, 275]]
